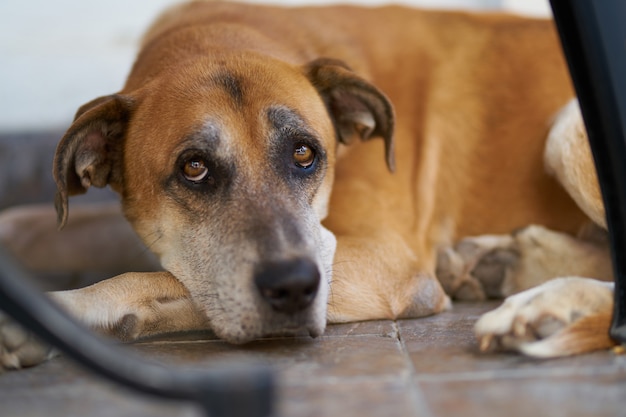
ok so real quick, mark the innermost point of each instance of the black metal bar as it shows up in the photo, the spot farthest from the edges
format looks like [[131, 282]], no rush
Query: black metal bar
[[226, 391], [593, 35]]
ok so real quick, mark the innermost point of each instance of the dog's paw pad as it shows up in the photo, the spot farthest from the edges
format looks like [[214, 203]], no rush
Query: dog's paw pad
[[561, 317], [19, 348]]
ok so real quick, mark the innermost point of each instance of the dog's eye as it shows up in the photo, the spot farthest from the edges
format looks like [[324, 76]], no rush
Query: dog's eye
[[195, 170], [303, 156]]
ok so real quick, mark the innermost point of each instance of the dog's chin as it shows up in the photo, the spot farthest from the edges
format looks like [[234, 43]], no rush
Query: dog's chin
[[260, 321]]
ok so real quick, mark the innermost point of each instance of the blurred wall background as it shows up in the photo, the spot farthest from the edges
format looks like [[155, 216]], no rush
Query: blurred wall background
[[58, 54]]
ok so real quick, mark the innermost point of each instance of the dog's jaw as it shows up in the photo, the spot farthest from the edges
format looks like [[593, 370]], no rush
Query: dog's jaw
[[234, 308], [256, 321]]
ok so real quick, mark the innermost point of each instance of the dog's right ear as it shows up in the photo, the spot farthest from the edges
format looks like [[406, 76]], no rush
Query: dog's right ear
[[90, 153], [357, 107]]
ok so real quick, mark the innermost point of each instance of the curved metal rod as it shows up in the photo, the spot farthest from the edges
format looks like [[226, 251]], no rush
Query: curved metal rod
[[593, 36], [228, 390]]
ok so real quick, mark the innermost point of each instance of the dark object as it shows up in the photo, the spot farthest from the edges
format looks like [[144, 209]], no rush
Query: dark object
[[593, 35], [225, 391]]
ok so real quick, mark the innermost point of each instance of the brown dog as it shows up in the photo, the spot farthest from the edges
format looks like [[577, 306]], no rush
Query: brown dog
[[240, 148]]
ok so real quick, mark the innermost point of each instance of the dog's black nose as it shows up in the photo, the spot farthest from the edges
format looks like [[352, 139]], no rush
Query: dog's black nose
[[288, 286]]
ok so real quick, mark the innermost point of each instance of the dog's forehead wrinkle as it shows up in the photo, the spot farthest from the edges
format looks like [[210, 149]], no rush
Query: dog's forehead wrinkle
[[206, 137], [288, 122], [282, 116], [232, 84]]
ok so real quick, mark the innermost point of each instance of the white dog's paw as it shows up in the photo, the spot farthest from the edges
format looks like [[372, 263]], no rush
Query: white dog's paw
[[496, 266], [19, 348], [562, 317]]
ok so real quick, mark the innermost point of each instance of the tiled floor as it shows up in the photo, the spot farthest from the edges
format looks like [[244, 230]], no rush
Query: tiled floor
[[424, 367]]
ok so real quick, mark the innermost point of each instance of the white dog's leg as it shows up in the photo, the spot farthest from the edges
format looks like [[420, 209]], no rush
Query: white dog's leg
[[564, 316], [568, 158], [134, 305], [502, 265], [127, 307]]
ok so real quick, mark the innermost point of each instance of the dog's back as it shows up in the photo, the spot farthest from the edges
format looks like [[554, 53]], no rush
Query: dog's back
[[474, 95]]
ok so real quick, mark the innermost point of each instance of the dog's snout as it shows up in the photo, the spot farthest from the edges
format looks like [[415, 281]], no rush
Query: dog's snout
[[288, 286]]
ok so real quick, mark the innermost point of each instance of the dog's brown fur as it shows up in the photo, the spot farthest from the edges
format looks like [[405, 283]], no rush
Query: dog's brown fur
[[473, 100]]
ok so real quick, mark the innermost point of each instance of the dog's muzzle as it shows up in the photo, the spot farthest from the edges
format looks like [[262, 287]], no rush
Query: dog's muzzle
[[288, 286]]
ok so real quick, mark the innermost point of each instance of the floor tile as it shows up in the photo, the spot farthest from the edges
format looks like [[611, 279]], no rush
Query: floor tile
[[376, 397], [569, 396]]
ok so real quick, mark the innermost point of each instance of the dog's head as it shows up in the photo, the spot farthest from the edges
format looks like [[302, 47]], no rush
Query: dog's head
[[225, 171]]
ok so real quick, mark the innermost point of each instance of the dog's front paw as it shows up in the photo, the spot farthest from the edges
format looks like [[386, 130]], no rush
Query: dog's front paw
[[19, 348], [562, 317]]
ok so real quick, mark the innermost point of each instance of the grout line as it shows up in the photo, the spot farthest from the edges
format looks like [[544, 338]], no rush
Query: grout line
[[416, 394]]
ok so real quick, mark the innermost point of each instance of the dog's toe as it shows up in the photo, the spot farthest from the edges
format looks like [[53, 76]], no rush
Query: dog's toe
[[561, 317], [19, 348]]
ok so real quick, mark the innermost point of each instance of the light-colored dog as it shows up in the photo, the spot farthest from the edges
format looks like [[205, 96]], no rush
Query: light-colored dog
[[240, 149]]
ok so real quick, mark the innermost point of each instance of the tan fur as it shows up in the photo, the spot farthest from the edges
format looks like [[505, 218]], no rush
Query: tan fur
[[588, 334], [134, 305], [460, 124]]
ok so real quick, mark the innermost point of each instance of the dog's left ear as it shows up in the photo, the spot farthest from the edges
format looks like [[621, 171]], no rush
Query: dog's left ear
[[356, 106]]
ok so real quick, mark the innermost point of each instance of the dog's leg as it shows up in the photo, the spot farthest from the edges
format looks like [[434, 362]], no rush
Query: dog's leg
[[568, 158], [498, 266], [567, 315], [556, 317], [127, 307], [379, 277], [562, 317], [134, 305]]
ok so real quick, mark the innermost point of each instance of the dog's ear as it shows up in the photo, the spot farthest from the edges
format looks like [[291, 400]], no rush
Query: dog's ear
[[356, 106], [90, 153]]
